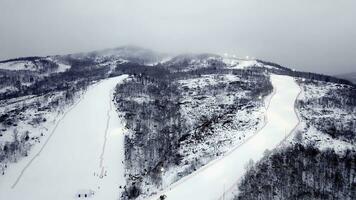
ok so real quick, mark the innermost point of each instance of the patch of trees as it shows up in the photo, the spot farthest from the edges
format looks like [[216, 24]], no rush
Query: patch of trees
[[155, 120], [79, 63], [74, 78], [300, 172], [64, 85], [15, 149], [152, 73], [189, 62], [253, 84], [31, 111], [45, 65], [67, 80], [209, 119], [328, 120], [31, 58], [151, 101]]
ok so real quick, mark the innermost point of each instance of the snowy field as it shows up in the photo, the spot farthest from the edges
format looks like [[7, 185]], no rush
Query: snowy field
[[83, 156], [212, 180]]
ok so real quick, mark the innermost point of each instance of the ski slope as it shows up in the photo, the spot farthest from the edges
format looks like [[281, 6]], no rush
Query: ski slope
[[84, 154], [211, 181]]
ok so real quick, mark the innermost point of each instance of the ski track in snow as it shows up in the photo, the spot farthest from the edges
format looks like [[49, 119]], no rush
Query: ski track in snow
[[106, 135], [210, 182], [232, 190], [44, 145], [213, 162], [66, 164]]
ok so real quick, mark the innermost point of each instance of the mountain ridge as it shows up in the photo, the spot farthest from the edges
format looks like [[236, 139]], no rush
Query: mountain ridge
[[135, 54]]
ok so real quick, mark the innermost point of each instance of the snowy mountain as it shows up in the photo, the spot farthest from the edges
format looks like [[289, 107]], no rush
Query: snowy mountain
[[175, 127], [35, 64], [125, 53]]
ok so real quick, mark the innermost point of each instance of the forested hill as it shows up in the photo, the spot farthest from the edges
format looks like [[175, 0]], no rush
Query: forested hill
[[181, 112]]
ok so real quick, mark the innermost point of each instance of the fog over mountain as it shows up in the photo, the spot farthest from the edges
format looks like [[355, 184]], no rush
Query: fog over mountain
[[307, 35]]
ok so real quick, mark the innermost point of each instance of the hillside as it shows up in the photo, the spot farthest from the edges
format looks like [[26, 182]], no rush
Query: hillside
[[166, 123]]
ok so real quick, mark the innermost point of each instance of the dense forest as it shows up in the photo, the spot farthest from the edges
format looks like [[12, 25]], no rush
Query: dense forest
[[299, 172], [152, 145]]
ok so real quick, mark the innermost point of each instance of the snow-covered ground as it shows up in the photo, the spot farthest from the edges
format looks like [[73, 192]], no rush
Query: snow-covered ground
[[18, 65], [83, 156], [317, 114], [232, 62], [212, 180]]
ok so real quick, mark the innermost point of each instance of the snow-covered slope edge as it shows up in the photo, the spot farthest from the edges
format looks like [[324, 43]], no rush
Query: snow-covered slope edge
[[315, 162], [83, 157], [210, 182]]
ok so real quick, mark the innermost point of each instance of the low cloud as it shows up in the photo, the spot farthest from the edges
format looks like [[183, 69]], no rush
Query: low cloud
[[316, 36]]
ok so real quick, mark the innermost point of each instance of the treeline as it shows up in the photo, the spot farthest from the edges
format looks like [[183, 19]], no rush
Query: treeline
[[31, 83], [299, 172], [31, 58], [153, 73], [67, 80], [190, 62]]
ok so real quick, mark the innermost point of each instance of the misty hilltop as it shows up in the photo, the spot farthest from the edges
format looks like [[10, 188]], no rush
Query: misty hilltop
[[349, 76], [132, 54], [315, 36]]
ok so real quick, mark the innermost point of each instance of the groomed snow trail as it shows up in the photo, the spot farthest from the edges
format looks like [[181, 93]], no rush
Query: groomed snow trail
[[209, 183], [87, 143]]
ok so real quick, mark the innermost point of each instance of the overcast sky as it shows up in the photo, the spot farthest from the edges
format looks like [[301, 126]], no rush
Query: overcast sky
[[311, 35]]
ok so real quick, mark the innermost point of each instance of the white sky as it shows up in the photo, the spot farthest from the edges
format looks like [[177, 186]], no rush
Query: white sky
[[317, 35]]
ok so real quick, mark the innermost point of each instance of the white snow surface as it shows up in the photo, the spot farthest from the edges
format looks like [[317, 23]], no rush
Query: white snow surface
[[8, 89], [239, 63], [85, 153], [63, 67], [212, 180], [18, 65]]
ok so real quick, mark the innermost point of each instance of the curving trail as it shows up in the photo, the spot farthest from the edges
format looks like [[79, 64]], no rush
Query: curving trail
[[86, 141], [211, 181], [231, 191]]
